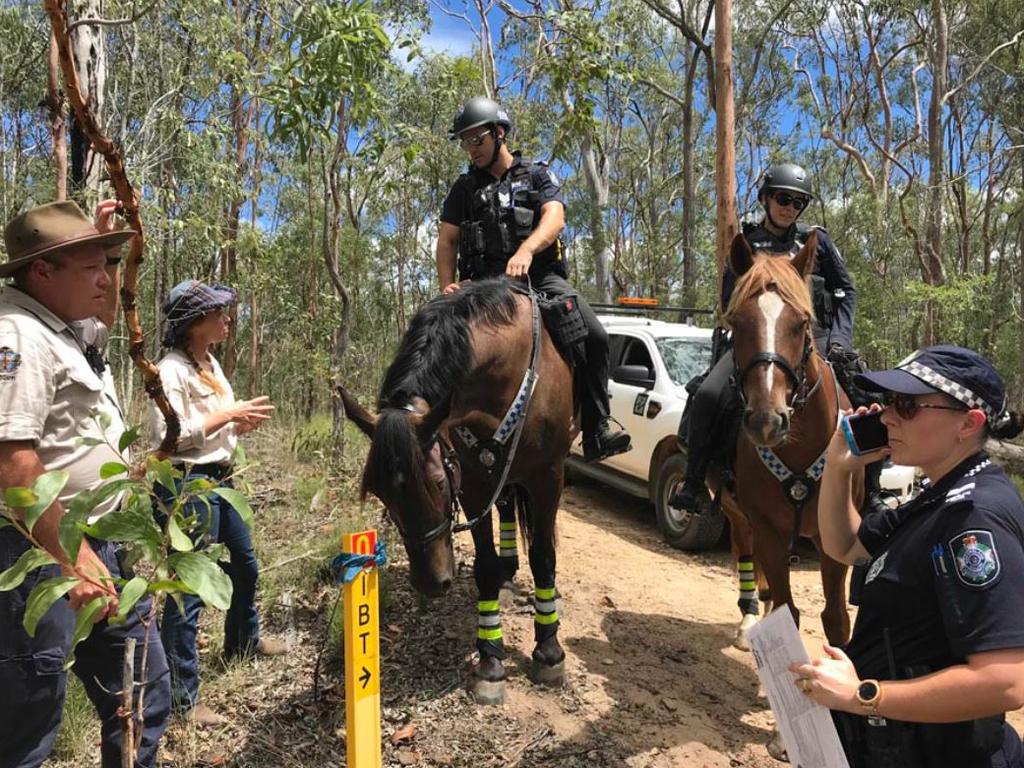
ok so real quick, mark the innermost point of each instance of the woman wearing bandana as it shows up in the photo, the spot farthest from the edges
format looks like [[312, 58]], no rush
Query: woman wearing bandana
[[196, 318], [936, 658]]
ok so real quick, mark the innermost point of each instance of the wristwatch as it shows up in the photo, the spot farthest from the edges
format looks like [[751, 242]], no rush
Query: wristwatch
[[869, 694]]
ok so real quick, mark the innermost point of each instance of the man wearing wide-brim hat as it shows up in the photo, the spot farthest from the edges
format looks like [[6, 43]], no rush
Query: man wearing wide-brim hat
[[59, 411]]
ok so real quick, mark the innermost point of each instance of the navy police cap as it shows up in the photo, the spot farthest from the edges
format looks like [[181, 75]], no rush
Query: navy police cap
[[959, 372]]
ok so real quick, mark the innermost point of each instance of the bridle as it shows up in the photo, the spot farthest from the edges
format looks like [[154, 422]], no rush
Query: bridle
[[510, 428], [798, 376]]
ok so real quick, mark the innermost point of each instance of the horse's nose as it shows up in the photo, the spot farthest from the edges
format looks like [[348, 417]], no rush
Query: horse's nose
[[766, 426], [446, 584]]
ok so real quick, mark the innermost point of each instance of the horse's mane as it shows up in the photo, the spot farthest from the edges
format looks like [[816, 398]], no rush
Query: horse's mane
[[432, 361], [771, 272], [435, 354]]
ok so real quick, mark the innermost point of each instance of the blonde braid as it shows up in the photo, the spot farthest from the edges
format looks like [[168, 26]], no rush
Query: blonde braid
[[205, 376]]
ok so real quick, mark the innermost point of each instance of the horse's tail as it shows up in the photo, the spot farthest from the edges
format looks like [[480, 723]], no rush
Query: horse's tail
[[395, 466]]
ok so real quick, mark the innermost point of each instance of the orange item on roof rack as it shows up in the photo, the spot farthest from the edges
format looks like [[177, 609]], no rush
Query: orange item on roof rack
[[636, 301]]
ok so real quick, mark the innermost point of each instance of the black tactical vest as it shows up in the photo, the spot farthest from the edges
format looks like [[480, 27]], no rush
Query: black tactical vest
[[502, 214]]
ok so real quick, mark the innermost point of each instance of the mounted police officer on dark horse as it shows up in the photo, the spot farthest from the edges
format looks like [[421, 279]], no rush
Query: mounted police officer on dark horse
[[784, 193], [504, 217]]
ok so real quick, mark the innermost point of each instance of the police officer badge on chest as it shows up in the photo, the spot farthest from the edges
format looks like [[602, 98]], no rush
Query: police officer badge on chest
[[975, 557]]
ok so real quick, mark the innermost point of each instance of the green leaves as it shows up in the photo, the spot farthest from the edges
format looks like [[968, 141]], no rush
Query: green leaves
[[36, 500], [45, 594], [179, 540], [131, 593], [204, 577], [84, 622], [30, 560], [238, 501]]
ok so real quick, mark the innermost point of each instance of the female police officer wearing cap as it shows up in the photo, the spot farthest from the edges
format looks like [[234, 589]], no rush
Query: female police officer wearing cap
[[211, 420], [937, 652]]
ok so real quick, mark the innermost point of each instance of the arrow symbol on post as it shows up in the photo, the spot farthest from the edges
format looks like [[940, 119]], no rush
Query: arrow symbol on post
[[365, 677]]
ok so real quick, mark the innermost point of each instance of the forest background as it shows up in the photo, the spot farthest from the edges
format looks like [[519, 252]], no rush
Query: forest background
[[298, 151]]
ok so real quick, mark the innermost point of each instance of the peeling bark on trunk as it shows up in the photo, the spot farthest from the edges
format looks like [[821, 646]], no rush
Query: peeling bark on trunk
[[89, 51], [58, 130], [725, 136]]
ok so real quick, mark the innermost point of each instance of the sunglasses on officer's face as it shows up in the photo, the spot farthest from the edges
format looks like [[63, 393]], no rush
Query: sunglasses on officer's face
[[908, 406], [474, 141], [784, 199]]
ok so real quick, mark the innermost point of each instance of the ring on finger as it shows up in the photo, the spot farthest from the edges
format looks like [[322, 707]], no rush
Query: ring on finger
[[804, 684]]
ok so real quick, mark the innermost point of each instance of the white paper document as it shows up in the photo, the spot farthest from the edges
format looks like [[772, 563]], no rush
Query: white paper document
[[807, 728]]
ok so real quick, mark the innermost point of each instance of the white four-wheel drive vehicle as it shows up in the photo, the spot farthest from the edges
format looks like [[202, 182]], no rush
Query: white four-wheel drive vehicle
[[651, 361]]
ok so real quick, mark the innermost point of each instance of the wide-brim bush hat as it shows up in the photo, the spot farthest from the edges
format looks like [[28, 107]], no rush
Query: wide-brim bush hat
[[959, 372], [188, 301], [49, 229]]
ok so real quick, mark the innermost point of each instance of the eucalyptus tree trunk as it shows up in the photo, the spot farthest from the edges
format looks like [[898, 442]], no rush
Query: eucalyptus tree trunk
[[689, 296], [934, 273], [89, 52], [595, 168], [725, 133], [58, 132]]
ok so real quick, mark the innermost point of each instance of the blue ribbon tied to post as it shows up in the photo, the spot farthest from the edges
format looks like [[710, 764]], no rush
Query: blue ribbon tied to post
[[346, 566]]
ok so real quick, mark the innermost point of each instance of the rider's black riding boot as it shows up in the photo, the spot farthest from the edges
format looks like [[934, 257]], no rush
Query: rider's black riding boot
[[605, 441], [687, 497]]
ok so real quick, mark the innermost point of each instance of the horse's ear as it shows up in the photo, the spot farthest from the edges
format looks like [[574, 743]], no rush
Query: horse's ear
[[803, 262], [422, 422], [741, 258], [359, 416]]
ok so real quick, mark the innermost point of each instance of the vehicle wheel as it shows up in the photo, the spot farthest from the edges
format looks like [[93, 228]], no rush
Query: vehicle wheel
[[683, 530]]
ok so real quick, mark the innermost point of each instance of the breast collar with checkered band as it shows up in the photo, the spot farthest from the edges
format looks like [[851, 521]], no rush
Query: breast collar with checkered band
[[799, 487]]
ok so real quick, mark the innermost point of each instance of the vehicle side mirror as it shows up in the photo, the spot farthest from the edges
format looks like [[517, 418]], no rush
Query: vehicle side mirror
[[634, 376]]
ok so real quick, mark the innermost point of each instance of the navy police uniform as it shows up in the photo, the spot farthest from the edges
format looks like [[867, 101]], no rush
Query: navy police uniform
[[834, 303], [945, 581], [494, 216]]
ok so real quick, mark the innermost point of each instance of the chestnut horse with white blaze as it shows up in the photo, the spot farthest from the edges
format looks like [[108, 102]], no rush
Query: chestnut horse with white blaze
[[792, 404], [459, 413]]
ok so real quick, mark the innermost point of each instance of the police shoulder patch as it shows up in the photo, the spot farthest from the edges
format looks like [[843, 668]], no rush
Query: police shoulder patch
[[975, 558], [10, 361]]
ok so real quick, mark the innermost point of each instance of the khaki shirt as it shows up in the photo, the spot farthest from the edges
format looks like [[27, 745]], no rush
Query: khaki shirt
[[193, 400], [49, 395]]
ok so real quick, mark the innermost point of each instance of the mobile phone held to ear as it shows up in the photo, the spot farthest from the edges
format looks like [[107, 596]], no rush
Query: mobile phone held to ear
[[865, 432]]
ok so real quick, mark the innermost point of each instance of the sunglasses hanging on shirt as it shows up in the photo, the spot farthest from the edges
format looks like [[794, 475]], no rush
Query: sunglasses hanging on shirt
[[95, 359]]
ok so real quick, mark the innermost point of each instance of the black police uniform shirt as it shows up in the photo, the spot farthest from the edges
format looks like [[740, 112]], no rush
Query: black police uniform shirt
[[946, 577], [828, 264], [458, 205]]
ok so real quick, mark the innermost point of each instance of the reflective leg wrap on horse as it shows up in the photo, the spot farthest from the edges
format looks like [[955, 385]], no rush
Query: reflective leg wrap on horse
[[507, 545], [489, 639], [748, 601], [545, 614]]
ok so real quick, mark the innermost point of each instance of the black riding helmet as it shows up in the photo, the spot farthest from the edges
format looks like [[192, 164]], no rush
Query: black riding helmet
[[480, 111], [789, 176], [476, 112]]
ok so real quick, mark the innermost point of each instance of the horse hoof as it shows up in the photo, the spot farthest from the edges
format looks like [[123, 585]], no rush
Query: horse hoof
[[489, 693], [551, 675], [777, 749], [742, 639]]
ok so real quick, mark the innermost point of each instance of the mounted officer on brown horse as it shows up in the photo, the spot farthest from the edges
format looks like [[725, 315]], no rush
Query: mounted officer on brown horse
[[504, 217]]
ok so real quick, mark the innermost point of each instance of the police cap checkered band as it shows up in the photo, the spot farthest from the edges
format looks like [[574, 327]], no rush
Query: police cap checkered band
[[959, 372]]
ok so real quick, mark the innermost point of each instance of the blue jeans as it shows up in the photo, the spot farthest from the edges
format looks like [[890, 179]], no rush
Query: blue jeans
[[33, 680], [219, 522]]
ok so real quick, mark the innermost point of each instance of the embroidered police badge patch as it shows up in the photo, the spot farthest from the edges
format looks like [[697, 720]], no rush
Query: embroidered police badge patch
[[876, 568], [975, 557], [10, 361]]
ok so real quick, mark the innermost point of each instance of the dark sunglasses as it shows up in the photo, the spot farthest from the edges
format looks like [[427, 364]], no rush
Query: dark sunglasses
[[784, 198], [474, 141], [907, 406]]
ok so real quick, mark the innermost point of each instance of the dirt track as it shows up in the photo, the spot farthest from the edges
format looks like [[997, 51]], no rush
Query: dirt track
[[652, 679]]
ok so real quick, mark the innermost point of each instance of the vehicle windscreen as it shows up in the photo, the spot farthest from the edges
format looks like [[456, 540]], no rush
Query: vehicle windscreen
[[684, 358]]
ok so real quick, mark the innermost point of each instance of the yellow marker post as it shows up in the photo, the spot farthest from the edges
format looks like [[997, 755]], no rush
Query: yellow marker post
[[362, 658]]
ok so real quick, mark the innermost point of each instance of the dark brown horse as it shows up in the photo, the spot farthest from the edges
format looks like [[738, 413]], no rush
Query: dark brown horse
[[445, 434], [791, 407]]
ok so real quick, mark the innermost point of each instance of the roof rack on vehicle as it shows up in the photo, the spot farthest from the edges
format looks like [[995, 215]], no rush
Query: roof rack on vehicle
[[635, 305]]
